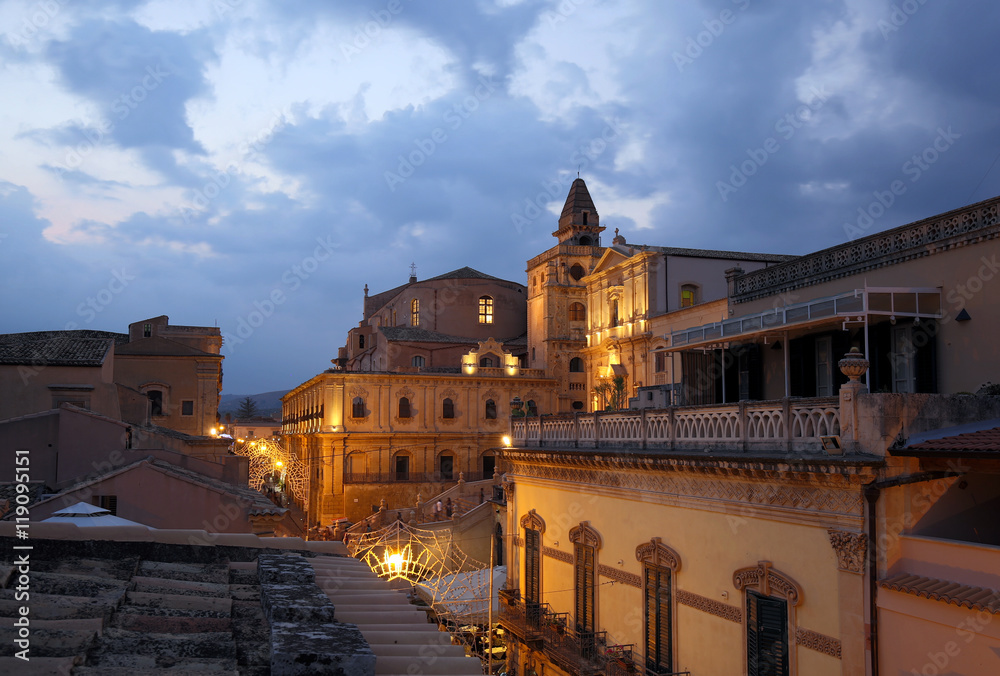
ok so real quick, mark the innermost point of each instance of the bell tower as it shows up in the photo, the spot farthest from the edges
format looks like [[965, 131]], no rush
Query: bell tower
[[557, 298]]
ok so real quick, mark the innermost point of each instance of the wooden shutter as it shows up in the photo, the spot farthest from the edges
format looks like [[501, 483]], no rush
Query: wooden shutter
[[532, 559], [767, 636], [658, 609], [585, 591]]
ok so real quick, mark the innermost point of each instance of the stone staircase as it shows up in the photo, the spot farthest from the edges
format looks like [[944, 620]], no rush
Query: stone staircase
[[399, 634], [116, 617]]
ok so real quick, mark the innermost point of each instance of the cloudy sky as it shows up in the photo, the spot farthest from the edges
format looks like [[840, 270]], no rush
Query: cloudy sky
[[252, 165]]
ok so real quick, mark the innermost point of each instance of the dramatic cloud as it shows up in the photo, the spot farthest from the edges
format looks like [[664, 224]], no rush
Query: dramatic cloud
[[253, 165]]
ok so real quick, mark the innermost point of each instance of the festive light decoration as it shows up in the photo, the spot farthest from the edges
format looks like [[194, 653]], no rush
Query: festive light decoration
[[267, 458]]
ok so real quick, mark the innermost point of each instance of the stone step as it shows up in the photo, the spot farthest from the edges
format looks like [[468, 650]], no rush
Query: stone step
[[150, 611], [206, 645], [40, 666], [113, 569], [317, 561], [181, 587], [107, 663], [431, 664], [159, 624], [48, 642], [389, 615], [376, 637], [61, 584], [180, 602], [53, 607], [193, 670], [387, 598], [417, 650], [414, 627], [217, 573], [331, 585], [94, 624]]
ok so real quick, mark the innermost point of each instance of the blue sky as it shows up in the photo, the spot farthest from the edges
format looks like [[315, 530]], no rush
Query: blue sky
[[253, 165]]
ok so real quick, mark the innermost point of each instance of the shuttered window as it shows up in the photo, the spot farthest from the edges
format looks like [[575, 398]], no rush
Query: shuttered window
[[585, 590], [767, 636], [532, 565], [658, 606]]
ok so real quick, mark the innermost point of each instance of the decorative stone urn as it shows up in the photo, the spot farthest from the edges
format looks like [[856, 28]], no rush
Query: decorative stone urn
[[854, 365]]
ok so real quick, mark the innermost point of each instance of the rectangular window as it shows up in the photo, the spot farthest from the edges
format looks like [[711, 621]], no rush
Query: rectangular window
[[767, 636], [415, 312], [658, 620], [155, 402], [187, 407], [147, 330], [108, 502], [661, 361], [485, 310]]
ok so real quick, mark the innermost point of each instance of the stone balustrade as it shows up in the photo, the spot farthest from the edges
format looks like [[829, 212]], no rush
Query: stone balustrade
[[792, 424]]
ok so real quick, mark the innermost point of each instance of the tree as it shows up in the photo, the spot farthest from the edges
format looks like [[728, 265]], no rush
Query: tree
[[247, 409]]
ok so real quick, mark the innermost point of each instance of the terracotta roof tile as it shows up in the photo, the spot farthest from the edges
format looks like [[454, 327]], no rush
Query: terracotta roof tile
[[58, 348], [962, 595], [983, 441]]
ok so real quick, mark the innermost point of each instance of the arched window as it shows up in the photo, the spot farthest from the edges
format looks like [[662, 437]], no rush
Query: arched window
[[586, 542], [770, 598], [532, 407], [361, 342], [577, 271], [415, 312], [401, 465], [446, 465], [358, 408], [577, 312], [404, 407], [447, 408], [534, 527], [485, 310], [659, 565], [486, 361], [417, 361], [491, 409], [576, 365], [585, 241], [689, 295]]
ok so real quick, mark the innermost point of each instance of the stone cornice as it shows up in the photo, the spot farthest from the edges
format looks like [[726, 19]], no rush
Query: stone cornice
[[836, 471], [968, 225]]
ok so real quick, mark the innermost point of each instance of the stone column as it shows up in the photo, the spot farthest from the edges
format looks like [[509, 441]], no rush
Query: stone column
[[853, 365]]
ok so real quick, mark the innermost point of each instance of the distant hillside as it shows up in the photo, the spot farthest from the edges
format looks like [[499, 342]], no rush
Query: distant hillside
[[268, 403]]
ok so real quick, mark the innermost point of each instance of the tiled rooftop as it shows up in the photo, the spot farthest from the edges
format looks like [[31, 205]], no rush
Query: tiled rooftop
[[967, 596], [969, 443], [58, 348]]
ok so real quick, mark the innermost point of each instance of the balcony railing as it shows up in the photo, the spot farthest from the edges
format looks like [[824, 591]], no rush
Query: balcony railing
[[777, 425], [540, 628], [409, 477]]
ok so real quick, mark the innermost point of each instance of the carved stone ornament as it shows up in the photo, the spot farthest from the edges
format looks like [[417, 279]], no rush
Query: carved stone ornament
[[621, 576], [449, 394], [818, 642], [405, 392], [557, 554], [655, 553], [358, 391], [584, 534], [851, 548], [853, 365], [768, 582], [711, 606], [491, 394], [532, 521]]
